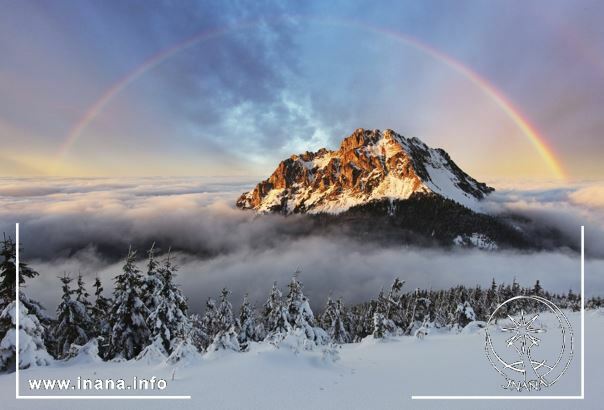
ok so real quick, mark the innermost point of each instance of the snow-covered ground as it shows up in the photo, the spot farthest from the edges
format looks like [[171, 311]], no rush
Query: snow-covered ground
[[369, 375]]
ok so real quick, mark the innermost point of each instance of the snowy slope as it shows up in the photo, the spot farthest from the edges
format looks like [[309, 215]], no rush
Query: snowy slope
[[371, 165], [369, 375]]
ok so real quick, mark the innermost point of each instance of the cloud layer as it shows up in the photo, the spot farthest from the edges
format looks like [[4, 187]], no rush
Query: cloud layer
[[86, 225]]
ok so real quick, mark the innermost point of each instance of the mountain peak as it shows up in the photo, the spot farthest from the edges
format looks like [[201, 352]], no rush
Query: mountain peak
[[370, 165]]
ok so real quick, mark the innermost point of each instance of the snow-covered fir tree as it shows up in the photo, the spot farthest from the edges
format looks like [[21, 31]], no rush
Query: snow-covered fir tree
[[168, 321], [382, 324], [537, 289], [249, 328], [81, 294], [32, 350], [491, 298], [128, 318], [437, 312], [516, 290], [198, 336], [476, 294], [574, 301], [332, 320], [393, 300], [226, 336], [209, 321], [73, 324], [300, 315], [393, 307], [420, 312], [99, 315], [8, 283], [275, 315], [504, 292], [152, 280], [361, 320], [465, 314], [32, 320]]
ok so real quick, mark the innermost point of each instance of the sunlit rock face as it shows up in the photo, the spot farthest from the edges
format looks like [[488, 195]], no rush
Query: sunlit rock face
[[370, 165]]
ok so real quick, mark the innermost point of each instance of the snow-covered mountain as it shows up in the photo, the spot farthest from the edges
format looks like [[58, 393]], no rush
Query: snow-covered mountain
[[370, 165]]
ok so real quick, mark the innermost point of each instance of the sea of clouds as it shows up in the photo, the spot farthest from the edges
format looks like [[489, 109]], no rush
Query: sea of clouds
[[86, 225]]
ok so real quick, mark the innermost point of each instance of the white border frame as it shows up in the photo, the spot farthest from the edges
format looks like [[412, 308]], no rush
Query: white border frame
[[581, 396], [80, 397]]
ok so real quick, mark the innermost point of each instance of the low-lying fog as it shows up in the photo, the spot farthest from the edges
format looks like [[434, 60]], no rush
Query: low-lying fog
[[86, 225]]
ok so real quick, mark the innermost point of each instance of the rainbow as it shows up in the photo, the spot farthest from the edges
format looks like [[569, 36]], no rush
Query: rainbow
[[537, 140], [95, 109]]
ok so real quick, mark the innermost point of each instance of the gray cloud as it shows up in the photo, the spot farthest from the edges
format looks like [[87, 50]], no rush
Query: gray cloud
[[344, 268], [563, 207]]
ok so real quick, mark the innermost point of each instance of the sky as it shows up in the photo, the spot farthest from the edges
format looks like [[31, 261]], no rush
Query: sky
[[229, 88]]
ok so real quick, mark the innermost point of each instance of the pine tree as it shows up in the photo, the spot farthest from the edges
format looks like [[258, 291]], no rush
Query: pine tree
[[275, 315], [391, 306], [168, 321], [465, 314], [381, 303], [491, 298], [363, 318], [81, 293], [152, 281], [379, 325], [477, 300], [438, 312], [574, 301], [505, 293], [387, 307], [394, 300], [100, 310], [209, 322], [129, 331], [333, 321], [300, 315], [32, 350], [421, 311], [249, 330], [198, 336], [515, 287], [34, 337], [73, 325], [537, 289], [225, 311], [8, 273], [226, 337]]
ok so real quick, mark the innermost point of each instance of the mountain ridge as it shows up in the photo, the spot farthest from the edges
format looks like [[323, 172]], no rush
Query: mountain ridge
[[370, 165]]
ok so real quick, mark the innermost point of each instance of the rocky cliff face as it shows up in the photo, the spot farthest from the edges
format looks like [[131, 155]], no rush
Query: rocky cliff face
[[370, 165]]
